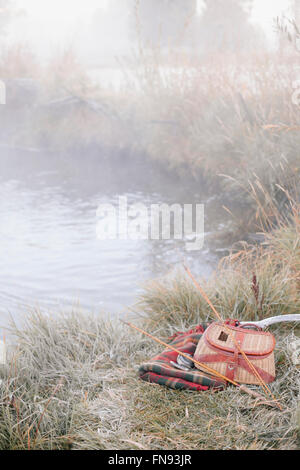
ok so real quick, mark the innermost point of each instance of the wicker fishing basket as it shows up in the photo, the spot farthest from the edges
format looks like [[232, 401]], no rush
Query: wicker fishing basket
[[221, 345]]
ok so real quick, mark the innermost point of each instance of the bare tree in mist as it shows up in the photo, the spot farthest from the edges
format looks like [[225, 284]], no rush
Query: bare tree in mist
[[225, 25], [297, 12], [6, 13], [110, 26], [288, 29], [163, 22]]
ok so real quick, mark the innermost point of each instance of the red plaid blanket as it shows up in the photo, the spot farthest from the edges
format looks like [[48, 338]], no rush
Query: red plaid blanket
[[159, 370]]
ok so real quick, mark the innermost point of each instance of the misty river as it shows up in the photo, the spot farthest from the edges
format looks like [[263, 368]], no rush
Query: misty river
[[51, 257]]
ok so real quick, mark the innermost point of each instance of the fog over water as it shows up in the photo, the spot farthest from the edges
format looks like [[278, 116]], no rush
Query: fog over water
[[53, 175], [50, 253]]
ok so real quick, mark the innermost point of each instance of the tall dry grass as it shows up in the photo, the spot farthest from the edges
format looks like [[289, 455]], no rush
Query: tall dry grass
[[208, 117], [232, 123]]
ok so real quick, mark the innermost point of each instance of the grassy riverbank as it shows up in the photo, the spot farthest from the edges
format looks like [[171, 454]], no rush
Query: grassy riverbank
[[71, 380]]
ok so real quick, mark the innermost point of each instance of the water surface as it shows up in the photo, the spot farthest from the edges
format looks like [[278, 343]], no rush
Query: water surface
[[49, 251]]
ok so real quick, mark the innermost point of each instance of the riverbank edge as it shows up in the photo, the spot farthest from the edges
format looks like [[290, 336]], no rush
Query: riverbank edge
[[71, 381]]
